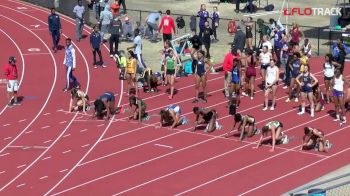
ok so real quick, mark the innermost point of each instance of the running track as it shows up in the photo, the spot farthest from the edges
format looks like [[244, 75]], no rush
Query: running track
[[46, 150]]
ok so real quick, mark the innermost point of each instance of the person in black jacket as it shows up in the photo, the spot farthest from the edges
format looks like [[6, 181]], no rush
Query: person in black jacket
[[207, 33], [239, 40], [95, 43], [115, 30], [55, 28]]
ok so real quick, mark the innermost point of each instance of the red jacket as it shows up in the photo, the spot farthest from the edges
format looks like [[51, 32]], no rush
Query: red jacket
[[11, 72], [167, 23]]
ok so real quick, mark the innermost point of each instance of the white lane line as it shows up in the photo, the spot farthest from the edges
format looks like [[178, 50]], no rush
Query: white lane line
[[42, 178], [45, 158], [67, 135], [67, 151], [81, 131], [45, 127], [37, 53], [2, 172], [5, 125], [20, 185], [161, 145], [62, 122], [7, 138], [59, 110], [100, 125], [28, 132], [86, 145], [22, 120], [47, 114], [64, 170], [80, 117], [48, 141], [21, 166], [5, 154]]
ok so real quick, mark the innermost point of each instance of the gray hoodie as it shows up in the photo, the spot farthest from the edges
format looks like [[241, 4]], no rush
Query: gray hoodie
[[106, 16]]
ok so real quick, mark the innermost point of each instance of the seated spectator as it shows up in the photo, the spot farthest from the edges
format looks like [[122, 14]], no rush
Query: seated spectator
[[127, 30]]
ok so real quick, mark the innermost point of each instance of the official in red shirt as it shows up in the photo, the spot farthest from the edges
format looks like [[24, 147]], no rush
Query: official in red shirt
[[167, 23], [11, 74], [228, 67]]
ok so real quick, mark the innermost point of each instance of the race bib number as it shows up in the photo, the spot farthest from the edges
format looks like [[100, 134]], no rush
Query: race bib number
[[166, 22]]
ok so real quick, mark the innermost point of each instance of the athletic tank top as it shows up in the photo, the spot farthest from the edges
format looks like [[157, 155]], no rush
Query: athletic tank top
[[306, 79], [339, 83], [328, 70], [273, 123], [250, 119], [235, 74], [175, 108], [131, 66], [306, 48], [295, 36], [271, 74], [265, 58], [201, 67], [296, 65], [170, 63]]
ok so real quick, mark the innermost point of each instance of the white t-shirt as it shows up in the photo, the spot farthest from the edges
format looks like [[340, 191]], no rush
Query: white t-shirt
[[268, 44], [328, 70], [271, 74], [138, 43], [339, 83], [265, 58]]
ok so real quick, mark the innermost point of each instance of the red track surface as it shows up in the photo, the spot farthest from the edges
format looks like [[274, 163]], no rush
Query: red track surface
[[78, 156]]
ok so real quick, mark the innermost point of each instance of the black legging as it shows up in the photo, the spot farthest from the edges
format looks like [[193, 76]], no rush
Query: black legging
[[122, 2], [113, 41]]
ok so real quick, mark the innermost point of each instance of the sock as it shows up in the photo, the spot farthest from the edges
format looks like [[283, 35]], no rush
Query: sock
[[312, 111]]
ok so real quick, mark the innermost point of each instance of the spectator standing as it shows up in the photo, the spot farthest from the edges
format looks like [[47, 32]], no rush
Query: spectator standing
[[79, 12], [55, 28], [215, 18], [122, 3], [278, 44], [152, 21], [203, 15], [167, 24], [239, 40], [116, 31], [138, 50], [227, 67], [237, 5], [96, 42], [11, 74], [207, 33], [105, 21], [70, 62], [341, 58]]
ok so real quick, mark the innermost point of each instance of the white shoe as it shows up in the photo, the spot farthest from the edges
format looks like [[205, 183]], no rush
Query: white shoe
[[288, 100], [251, 98], [265, 108], [301, 113], [296, 100], [337, 119], [272, 108], [111, 55], [244, 94], [312, 115], [285, 87]]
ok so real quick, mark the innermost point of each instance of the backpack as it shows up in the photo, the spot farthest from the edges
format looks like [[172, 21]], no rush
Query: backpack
[[180, 22], [232, 27]]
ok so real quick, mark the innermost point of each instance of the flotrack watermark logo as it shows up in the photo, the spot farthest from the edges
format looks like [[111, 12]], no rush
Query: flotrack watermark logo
[[311, 11]]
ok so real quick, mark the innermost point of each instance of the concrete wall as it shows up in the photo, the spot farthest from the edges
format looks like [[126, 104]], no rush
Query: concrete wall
[[63, 6]]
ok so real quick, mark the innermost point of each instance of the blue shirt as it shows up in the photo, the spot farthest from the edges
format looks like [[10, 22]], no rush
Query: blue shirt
[[153, 18], [95, 40], [278, 38], [54, 22], [203, 16]]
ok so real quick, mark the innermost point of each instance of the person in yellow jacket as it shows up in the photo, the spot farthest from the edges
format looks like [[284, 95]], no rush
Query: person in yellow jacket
[[131, 66]]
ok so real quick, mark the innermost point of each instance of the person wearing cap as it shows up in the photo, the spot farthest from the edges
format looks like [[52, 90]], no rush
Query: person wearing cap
[[116, 30], [167, 24], [11, 74], [127, 29], [79, 11], [95, 43], [55, 28], [239, 40]]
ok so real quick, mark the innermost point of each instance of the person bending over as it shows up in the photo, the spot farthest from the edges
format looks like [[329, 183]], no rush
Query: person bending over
[[208, 116], [140, 108], [314, 138], [277, 136], [246, 123], [172, 115], [79, 101], [104, 106]]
